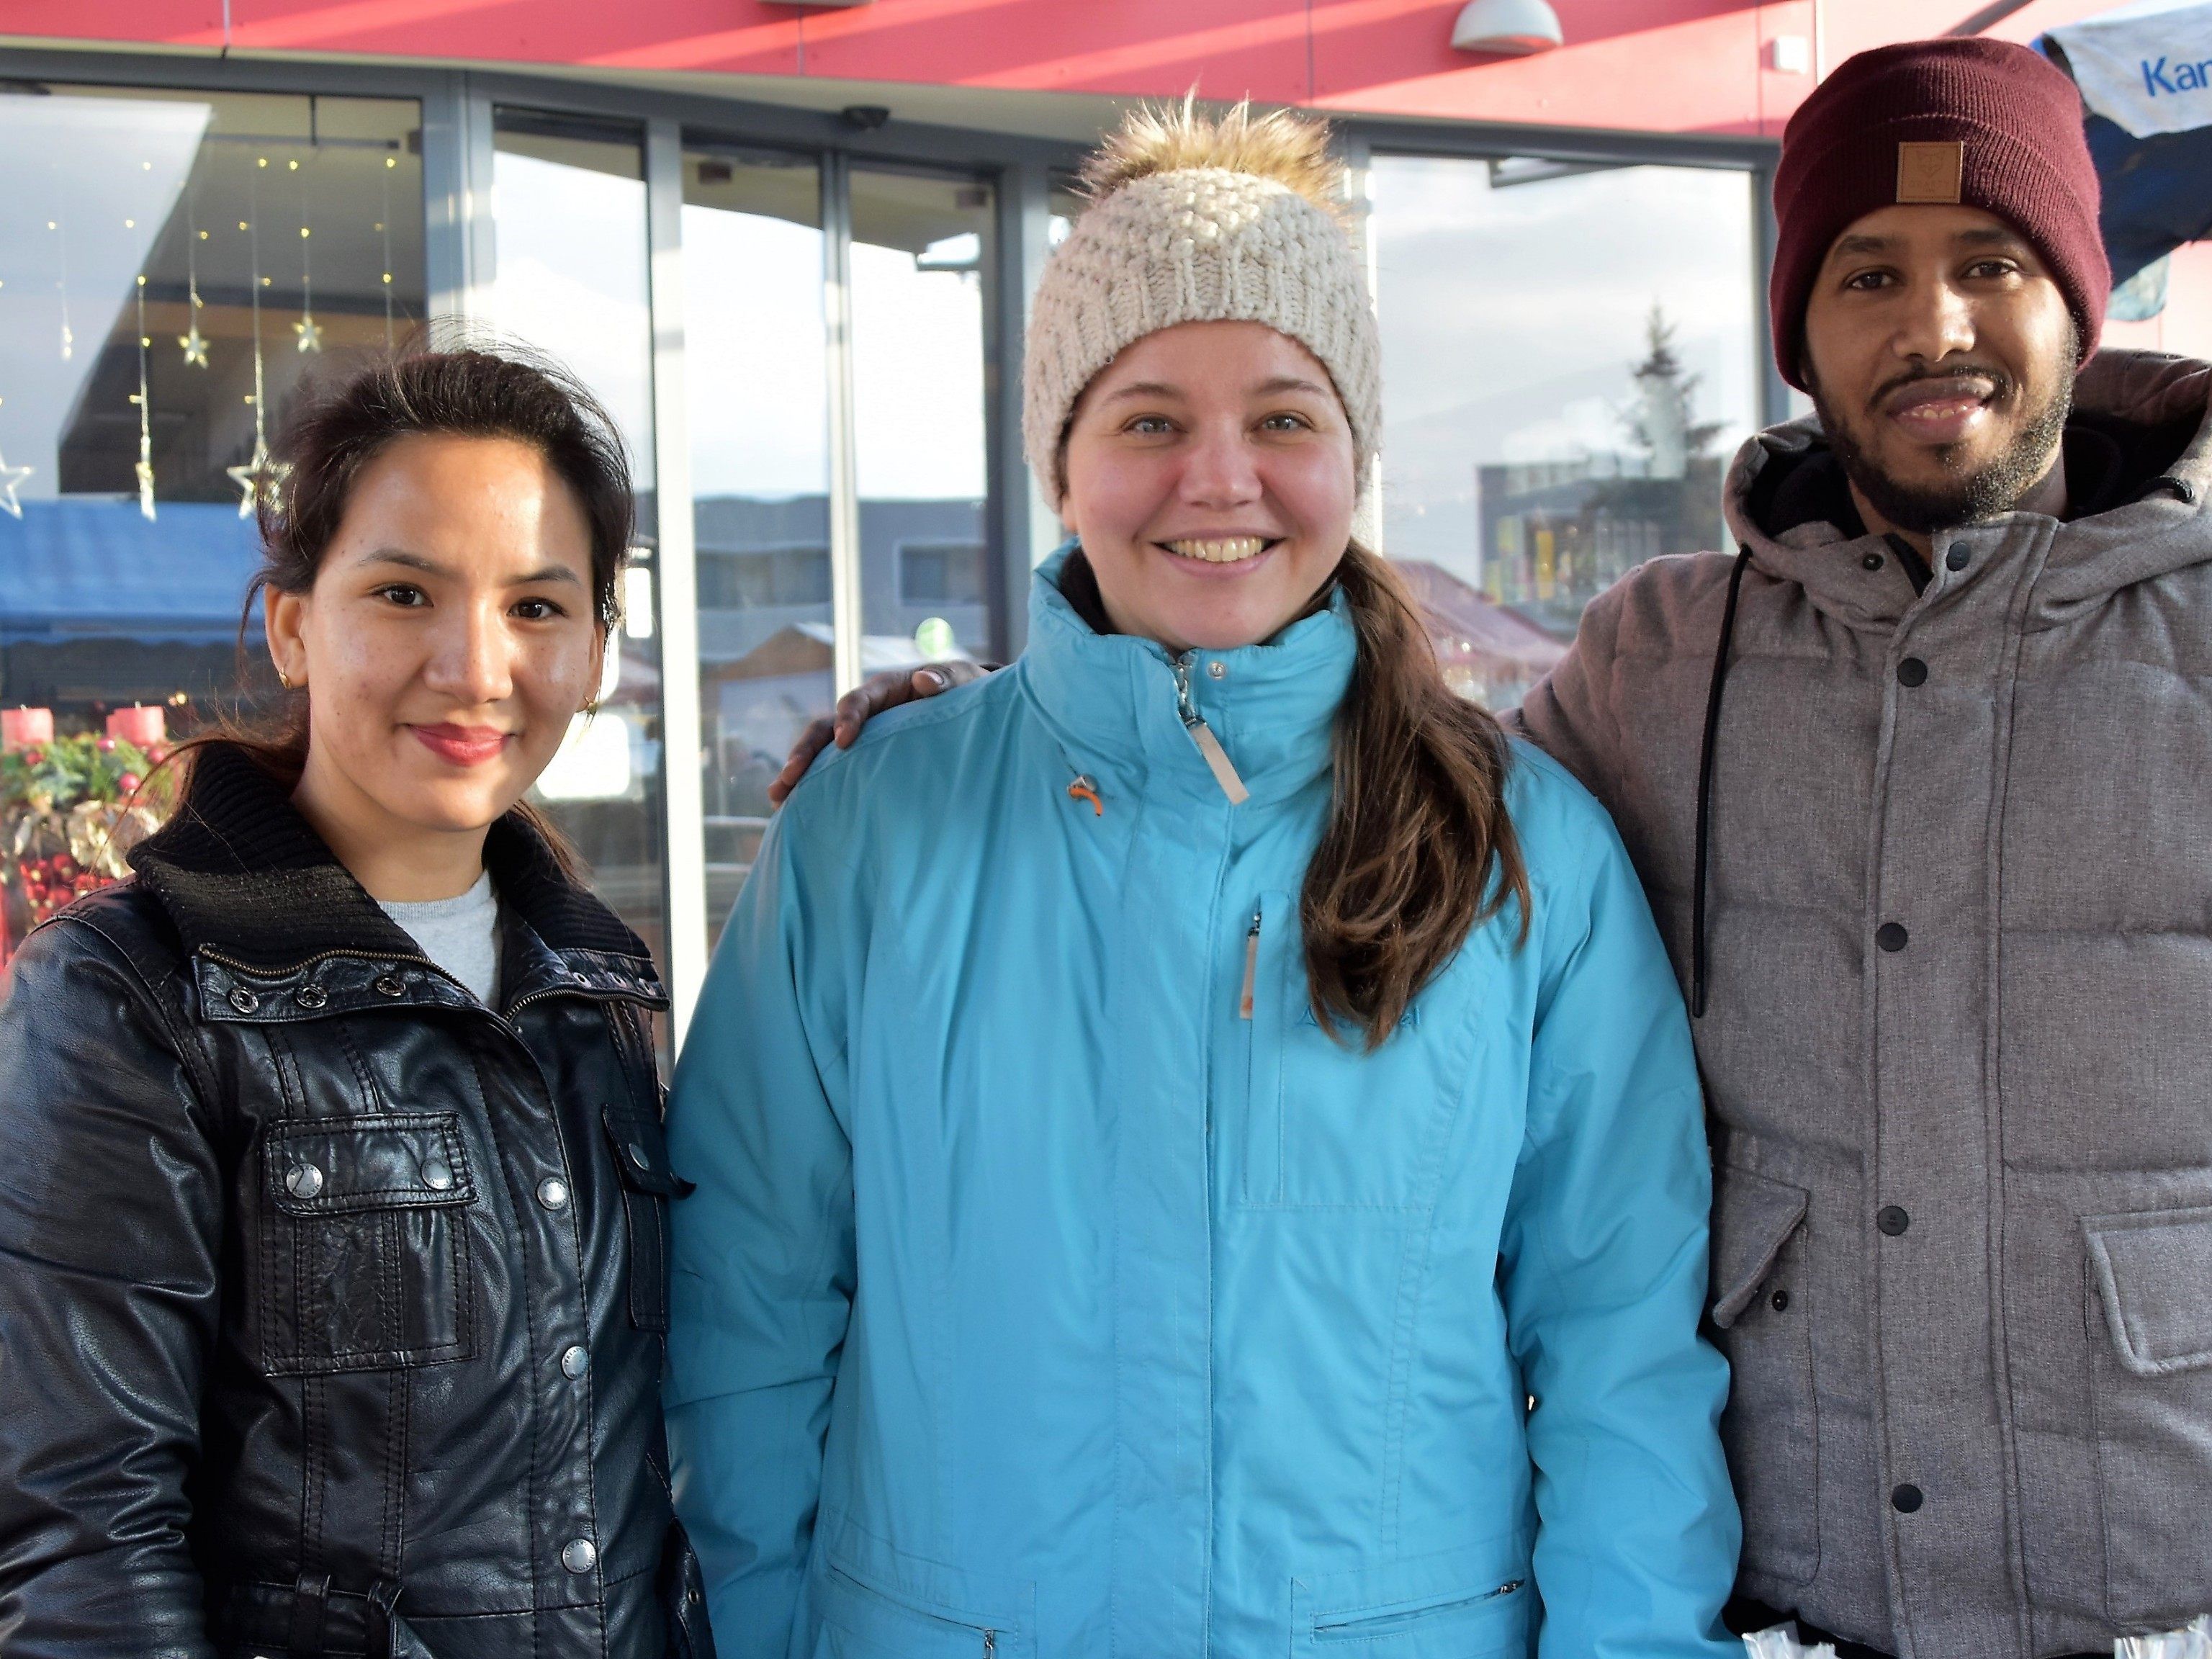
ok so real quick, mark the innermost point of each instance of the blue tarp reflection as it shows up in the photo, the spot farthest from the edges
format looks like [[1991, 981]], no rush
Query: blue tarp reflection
[[92, 567]]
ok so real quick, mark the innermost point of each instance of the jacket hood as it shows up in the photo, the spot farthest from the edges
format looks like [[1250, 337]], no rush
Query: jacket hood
[[2141, 420], [1111, 698], [241, 874]]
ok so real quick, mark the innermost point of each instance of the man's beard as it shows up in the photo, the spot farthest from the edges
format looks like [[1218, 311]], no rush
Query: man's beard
[[1962, 497]]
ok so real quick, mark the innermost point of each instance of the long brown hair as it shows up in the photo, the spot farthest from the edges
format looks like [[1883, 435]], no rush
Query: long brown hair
[[1419, 850], [342, 425]]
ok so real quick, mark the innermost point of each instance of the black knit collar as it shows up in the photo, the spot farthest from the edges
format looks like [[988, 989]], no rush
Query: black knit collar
[[241, 874]]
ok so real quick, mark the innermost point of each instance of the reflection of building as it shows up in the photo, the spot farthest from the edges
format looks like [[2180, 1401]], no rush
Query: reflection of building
[[764, 565], [1554, 535], [1488, 651]]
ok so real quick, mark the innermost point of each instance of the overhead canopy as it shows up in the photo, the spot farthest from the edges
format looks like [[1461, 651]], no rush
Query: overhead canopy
[[2145, 72], [90, 567]]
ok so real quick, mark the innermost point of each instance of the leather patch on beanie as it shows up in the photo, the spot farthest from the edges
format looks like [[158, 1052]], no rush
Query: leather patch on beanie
[[1930, 172]]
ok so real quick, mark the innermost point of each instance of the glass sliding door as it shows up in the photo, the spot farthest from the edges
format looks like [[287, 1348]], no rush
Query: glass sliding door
[[173, 267], [921, 253], [757, 396], [1528, 464], [570, 280]]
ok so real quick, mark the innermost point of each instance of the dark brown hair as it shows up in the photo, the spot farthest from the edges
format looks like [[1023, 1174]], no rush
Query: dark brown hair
[[346, 423], [1419, 850]]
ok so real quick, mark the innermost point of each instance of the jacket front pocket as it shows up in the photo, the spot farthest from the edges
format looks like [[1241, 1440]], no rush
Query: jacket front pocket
[[2149, 1309], [1460, 1604], [362, 1260], [1328, 1125], [868, 1620], [648, 1183], [1762, 1312]]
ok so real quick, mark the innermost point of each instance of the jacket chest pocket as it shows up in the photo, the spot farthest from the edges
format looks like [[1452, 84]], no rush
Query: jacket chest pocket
[[641, 1154], [363, 1260], [1327, 1124]]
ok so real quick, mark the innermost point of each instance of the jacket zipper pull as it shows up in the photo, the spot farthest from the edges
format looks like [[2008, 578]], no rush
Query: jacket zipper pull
[[1085, 787], [1251, 967], [990, 1643], [1217, 757]]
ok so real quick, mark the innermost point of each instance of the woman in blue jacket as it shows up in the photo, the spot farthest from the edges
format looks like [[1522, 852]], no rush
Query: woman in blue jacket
[[1197, 1144]]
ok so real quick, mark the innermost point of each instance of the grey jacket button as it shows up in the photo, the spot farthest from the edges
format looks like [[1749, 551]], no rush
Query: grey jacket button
[[1906, 1498], [553, 1193], [578, 1555], [1892, 936], [1911, 671], [303, 1181], [1892, 1219], [1960, 557]]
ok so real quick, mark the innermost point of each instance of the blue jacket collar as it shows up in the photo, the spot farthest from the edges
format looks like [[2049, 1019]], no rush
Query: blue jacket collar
[[1110, 699]]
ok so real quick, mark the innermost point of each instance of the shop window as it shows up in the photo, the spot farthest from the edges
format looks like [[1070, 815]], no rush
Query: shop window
[[174, 265], [939, 573], [1529, 461], [570, 281], [756, 381], [921, 259]]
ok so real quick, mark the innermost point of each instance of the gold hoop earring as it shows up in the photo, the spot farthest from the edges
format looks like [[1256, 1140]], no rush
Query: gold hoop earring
[[283, 680]]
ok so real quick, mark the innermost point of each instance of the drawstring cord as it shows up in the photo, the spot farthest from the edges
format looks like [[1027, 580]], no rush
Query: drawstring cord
[[1705, 786]]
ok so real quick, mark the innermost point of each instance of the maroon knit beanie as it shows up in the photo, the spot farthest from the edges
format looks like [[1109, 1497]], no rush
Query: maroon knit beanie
[[1984, 123]]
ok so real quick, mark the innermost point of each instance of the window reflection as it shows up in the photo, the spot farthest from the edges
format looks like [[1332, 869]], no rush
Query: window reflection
[[757, 381], [570, 279], [172, 265], [920, 247], [1527, 465]]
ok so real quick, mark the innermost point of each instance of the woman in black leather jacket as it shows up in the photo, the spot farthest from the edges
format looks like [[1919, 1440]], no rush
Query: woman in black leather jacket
[[332, 1190]]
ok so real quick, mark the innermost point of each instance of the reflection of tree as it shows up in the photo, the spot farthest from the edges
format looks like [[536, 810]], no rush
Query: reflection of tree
[[1659, 421], [1555, 535]]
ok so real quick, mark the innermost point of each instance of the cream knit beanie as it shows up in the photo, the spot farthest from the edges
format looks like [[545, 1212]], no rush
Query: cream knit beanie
[[1193, 219]]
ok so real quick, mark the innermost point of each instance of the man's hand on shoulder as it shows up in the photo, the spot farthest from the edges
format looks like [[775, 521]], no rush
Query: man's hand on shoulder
[[859, 706]]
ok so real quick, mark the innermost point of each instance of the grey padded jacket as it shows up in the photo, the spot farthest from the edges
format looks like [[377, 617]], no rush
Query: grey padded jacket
[[1957, 1042]]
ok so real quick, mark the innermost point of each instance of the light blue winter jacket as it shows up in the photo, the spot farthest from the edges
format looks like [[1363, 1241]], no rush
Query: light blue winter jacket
[[1036, 1301]]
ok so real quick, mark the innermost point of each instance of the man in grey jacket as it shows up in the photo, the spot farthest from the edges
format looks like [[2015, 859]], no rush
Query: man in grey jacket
[[1918, 781]]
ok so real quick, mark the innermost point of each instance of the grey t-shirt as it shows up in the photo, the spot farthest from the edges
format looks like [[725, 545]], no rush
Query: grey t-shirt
[[461, 935]]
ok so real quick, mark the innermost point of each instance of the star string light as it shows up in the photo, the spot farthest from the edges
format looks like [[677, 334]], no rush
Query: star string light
[[144, 470], [193, 342], [309, 331], [384, 229], [261, 477], [10, 478], [61, 283]]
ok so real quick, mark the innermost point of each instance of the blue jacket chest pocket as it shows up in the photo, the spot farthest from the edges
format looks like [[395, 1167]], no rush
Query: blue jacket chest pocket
[[1327, 1124]]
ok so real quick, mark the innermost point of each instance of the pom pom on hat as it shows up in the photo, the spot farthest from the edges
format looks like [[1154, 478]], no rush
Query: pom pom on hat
[[1199, 219]]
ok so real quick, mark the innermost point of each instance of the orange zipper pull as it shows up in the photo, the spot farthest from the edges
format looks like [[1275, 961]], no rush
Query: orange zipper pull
[[1251, 967], [1085, 787]]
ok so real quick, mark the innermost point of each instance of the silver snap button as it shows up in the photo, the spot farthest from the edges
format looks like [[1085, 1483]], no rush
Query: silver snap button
[[1217, 669], [311, 996], [244, 1000], [390, 985], [575, 1362], [438, 1175], [637, 1155], [553, 1193], [303, 1181], [579, 1555]]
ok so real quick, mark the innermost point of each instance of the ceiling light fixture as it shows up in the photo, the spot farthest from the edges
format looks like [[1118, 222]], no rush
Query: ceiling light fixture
[[1507, 29]]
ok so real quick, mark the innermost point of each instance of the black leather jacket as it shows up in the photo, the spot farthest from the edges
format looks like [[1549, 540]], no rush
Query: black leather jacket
[[331, 1303]]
